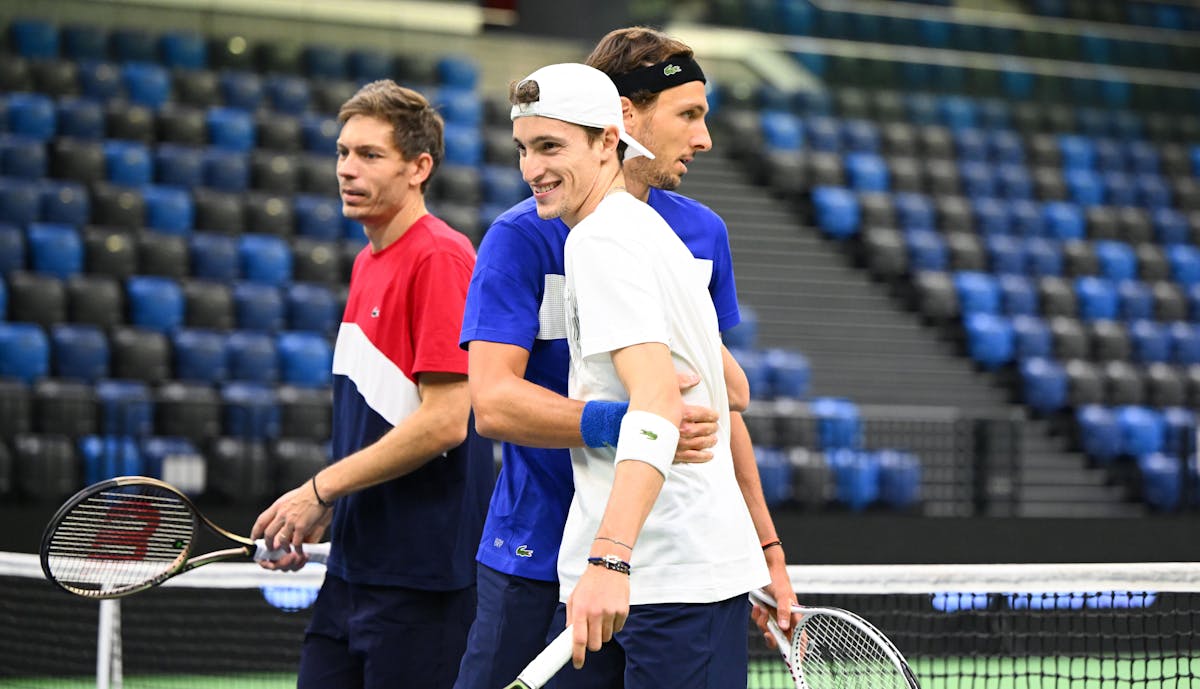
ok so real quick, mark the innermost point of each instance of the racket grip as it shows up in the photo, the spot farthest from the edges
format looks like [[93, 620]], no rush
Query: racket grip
[[316, 552], [549, 661]]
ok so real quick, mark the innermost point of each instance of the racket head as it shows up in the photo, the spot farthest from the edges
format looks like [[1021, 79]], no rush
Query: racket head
[[836, 649], [119, 537]]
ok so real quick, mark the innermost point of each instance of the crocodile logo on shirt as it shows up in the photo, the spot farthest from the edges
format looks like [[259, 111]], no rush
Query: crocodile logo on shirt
[[524, 551], [672, 70], [375, 312], [650, 434]]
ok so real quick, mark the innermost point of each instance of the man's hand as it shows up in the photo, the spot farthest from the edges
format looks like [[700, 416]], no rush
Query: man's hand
[[781, 590], [698, 430], [597, 608], [294, 519]]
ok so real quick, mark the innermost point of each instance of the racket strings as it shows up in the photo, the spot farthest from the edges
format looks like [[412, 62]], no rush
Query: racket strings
[[120, 538], [833, 653]]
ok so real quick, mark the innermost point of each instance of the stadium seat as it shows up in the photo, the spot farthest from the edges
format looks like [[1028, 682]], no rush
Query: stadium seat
[[886, 255], [856, 477], [789, 373], [1162, 488], [311, 308], [176, 461], [45, 466], [183, 125], [1085, 385], [188, 410], [24, 352], [219, 212], [258, 307], [366, 65], [250, 411], [78, 160], [1085, 187], [318, 217], [129, 122], [155, 303], [991, 216], [1110, 341], [1013, 182], [1031, 338], [926, 250], [288, 94], [230, 129], [100, 81], [1099, 433], [36, 298], [274, 172], [138, 354], [1118, 189], [213, 257], [1097, 298], [990, 339], [30, 115], [1179, 426], [79, 352], [1116, 260], [866, 172], [1018, 295], [146, 83], [184, 50], [836, 210], [22, 157], [12, 249], [1169, 301], [936, 297], [1185, 264], [264, 259], [110, 252], [502, 185], [169, 209], [317, 261], [225, 170], [1063, 220], [1048, 184], [199, 355], [1165, 387], [966, 251], [1044, 385], [1152, 262], [240, 471], [320, 133], [79, 118], [66, 203], [179, 166], [124, 408], [1170, 227], [978, 180], [252, 357], [162, 255], [305, 359], [1141, 430], [128, 163], [1151, 342], [1005, 255], [776, 472], [269, 214], [296, 460], [118, 207], [55, 250], [209, 305], [839, 424], [195, 89], [1070, 339], [1123, 384], [1135, 300], [977, 292], [64, 407]]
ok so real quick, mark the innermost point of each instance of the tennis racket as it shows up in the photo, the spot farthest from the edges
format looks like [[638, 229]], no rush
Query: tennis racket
[[833, 648], [549, 661], [131, 533]]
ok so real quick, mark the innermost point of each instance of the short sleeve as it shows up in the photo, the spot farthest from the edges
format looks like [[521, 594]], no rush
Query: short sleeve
[[722, 287], [505, 292]]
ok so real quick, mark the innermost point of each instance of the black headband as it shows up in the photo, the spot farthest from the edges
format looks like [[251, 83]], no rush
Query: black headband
[[660, 77]]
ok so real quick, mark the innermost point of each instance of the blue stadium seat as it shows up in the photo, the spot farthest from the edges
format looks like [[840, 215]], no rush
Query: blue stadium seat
[[169, 209], [241, 90], [460, 106], [1078, 152], [305, 359], [311, 308], [108, 457], [839, 423], [226, 170], [1031, 338], [80, 118], [252, 357], [367, 65], [100, 81], [899, 479], [977, 292], [1141, 157], [12, 249], [55, 249], [176, 461], [991, 216], [1179, 425], [21, 156], [288, 94], [183, 50], [914, 211], [126, 407], [1084, 186], [265, 259], [775, 470], [995, 117], [1135, 300], [324, 62], [856, 477], [1006, 255], [320, 135], [67, 203], [459, 71], [318, 217], [1170, 226], [783, 131], [860, 136], [251, 411], [130, 44], [1005, 147], [20, 201], [1152, 191], [1141, 430], [1063, 220], [200, 355], [1013, 182], [213, 256], [502, 185], [754, 365], [837, 211], [79, 352], [24, 351], [990, 339], [1044, 385], [1097, 298], [1117, 260], [926, 250], [866, 172], [956, 112], [1185, 264], [971, 145], [1018, 295], [146, 83], [978, 179], [789, 373], [127, 163], [1162, 487], [1151, 342], [1099, 432], [1109, 154], [179, 166], [81, 42], [155, 303], [258, 307], [1185, 343], [35, 39], [230, 129], [31, 115]]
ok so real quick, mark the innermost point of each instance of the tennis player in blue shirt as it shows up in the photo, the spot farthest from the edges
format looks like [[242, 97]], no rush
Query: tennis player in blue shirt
[[515, 332]]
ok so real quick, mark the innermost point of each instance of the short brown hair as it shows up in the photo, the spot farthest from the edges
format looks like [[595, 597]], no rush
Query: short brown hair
[[528, 91], [624, 50], [416, 126]]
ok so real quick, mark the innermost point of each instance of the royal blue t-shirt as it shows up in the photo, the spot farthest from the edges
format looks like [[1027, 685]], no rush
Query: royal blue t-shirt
[[516, 298]]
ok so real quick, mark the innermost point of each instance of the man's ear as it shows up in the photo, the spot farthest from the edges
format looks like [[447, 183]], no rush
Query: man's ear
[[627, 112], [422, 171]]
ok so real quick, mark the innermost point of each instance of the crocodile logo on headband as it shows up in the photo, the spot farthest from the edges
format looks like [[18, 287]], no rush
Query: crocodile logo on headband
[[672, 70]]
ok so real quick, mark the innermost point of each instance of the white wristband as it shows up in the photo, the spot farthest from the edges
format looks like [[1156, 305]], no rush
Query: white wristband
[[648, 438]]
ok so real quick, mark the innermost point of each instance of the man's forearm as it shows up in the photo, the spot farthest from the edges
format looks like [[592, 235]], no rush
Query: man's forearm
[[524, 413], [745, 469]]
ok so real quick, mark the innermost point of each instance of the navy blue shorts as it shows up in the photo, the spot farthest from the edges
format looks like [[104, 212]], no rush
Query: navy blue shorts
[[511, 623], [369, 637], [667, 646]]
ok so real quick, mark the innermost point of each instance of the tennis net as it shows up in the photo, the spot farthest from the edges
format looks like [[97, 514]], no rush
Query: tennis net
[[1072, 626]]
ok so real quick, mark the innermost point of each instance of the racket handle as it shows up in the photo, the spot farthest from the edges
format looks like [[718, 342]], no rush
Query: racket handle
[[316, 552], [549, 661]]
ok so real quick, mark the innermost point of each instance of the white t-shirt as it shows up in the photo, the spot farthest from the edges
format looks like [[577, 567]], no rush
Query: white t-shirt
[[630, 280]]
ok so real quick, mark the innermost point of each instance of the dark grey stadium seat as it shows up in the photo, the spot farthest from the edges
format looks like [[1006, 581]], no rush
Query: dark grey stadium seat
[[936, 297], [1110, 341], [114, 206], [954, 214], [162, 254], [1102, 223], [198, 88], [966, 251], [139, 354], [304, 412], [296, 461], [1079, 258], [1135, 225], [317, 261], [16, 408], [129, 122], [268, 213], [218, 211], [1165, 386], [110, 251], [36, 298], [240, 471], [1084, 383], [188, 410], [64, 407], [1152, 262], [96, 300], [77, 159], [1170, 304], [273, 172], [208, 305], [279, 132], [885, 252], [182, 124], [1057, 297], [45, 466], [1123, 384]]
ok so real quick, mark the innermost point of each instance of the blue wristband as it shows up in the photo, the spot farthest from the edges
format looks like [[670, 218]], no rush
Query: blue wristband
[[600, 423]]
